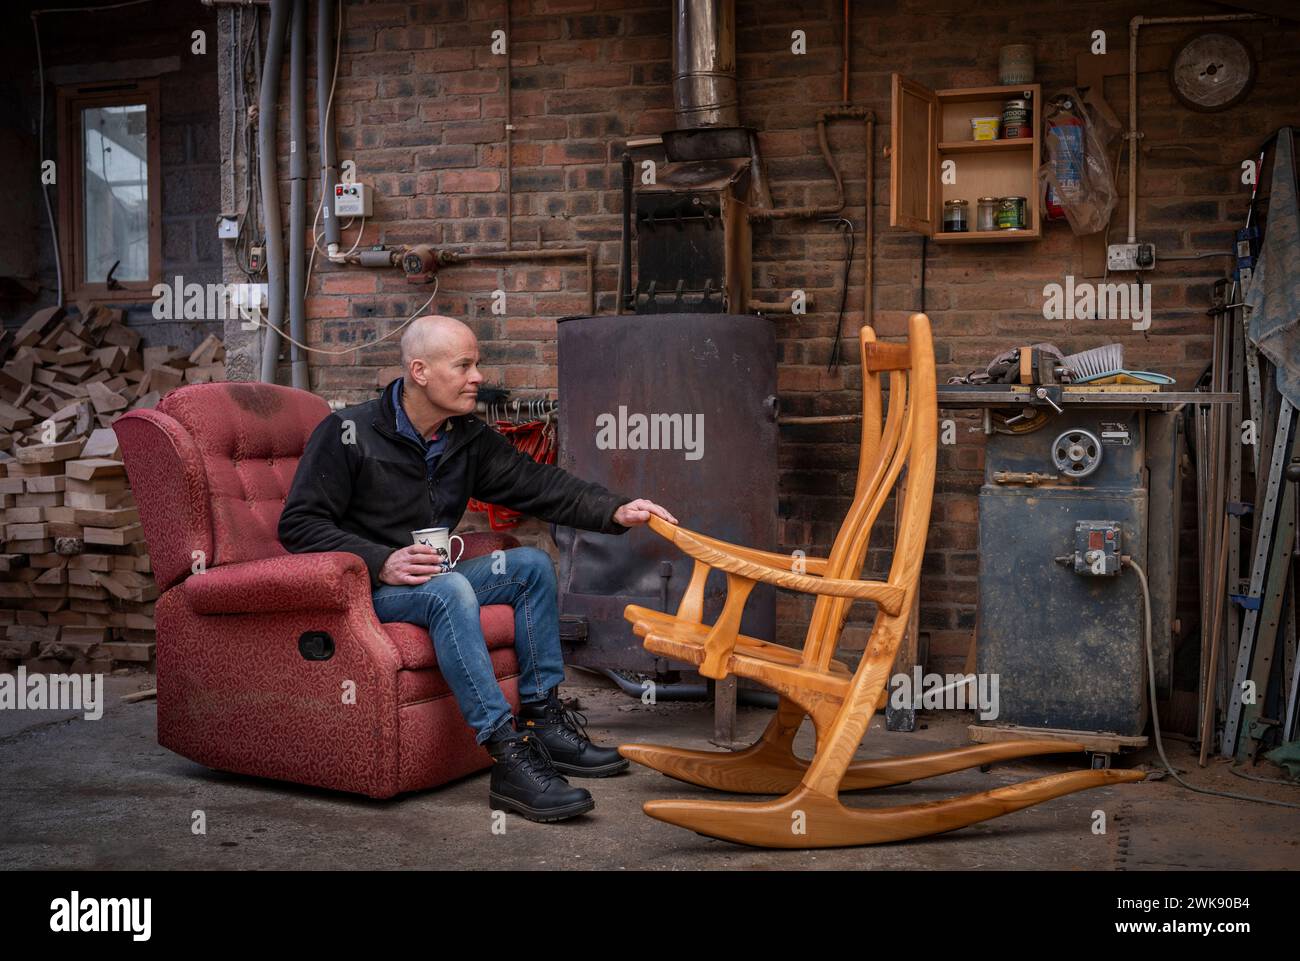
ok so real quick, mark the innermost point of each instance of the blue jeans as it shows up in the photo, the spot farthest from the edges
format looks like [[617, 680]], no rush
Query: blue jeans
[[448, 606]]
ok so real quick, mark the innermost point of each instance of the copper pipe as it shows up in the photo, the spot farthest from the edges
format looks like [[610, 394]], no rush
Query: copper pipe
[[869, 243], [784, 213], [550, 253], [869, 215], [777, 306], [820, 419], [510, 129], [845, 40]]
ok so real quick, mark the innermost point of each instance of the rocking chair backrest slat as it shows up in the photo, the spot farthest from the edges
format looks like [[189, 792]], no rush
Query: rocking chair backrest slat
[[851, 546], [877, 357], [872, 486], [911, 406], [871, 408], [909, 546]]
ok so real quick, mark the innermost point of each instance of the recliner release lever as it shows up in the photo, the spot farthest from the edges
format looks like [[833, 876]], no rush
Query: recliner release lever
[[316, 646]]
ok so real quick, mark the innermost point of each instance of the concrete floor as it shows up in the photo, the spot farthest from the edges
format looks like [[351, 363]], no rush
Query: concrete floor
[[104, 795]]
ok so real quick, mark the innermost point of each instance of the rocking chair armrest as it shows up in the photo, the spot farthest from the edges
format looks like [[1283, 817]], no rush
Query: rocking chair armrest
[[715, 554], [813, 565]]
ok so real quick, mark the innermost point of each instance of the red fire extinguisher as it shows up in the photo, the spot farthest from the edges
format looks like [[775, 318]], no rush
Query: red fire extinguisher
[[1067, 129]]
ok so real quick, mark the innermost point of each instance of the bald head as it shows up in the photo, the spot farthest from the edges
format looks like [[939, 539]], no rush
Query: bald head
[[435, 337], [440, 369]]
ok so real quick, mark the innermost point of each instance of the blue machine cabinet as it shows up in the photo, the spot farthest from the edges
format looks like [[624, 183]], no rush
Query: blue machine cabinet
[[1059, 620]]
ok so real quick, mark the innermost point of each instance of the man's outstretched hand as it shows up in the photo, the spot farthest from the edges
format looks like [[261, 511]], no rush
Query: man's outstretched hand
[[638, 512]]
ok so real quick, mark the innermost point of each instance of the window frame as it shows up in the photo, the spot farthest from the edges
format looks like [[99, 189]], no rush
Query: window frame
[[71, 100]]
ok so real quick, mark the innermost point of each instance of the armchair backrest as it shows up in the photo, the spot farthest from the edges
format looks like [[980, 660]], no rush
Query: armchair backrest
[[211, 467], [908, 436]]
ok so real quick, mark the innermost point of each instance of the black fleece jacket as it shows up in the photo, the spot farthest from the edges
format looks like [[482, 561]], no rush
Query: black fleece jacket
[[362, 487]]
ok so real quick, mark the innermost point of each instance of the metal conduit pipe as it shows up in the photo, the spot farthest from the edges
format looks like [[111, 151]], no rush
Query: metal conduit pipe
[[825, 210], [510, 138], [869, 241], [329, 163], [553, 253], [298, 194], [844, 44], [686, 691], [625, 247], [779, 306], [270, 187], [869, 244]]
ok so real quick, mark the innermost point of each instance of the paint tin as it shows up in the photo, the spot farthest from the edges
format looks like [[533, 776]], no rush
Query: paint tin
[[1016, 64], [1010, 214], [984, 128], [1016, 117], [956, 216], [986, 213]]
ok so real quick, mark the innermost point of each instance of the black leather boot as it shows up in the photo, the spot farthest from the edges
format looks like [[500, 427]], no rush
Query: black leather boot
[[564, 734], [525, 781]]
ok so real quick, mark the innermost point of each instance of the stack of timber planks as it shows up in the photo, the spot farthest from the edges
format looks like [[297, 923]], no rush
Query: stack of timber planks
[[76, 588]]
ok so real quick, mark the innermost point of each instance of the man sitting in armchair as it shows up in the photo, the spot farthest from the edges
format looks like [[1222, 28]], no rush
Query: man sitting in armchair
[[410, 460]]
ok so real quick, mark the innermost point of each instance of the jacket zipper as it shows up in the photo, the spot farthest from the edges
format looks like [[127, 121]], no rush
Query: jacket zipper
[[442, 459]]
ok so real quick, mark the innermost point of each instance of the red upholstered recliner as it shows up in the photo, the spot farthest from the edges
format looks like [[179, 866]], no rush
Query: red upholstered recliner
[[260, 651]]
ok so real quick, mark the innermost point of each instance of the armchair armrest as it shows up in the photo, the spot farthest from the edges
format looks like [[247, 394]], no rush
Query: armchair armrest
[[720, 555], [327, 581]]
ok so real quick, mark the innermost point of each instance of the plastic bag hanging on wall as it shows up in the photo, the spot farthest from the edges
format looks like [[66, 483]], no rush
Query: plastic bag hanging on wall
[[1077, 133]]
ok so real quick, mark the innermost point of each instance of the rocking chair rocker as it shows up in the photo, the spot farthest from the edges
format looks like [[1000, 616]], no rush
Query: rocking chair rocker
[[810, 682]]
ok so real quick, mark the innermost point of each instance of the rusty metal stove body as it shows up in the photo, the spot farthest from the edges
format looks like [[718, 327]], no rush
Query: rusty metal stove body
[[713, 375]]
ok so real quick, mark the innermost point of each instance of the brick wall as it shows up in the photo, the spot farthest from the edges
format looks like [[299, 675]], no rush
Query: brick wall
[[190, 152], [421, 103]]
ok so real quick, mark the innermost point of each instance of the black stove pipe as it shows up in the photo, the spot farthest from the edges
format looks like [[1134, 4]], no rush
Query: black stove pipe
[[625, 257]]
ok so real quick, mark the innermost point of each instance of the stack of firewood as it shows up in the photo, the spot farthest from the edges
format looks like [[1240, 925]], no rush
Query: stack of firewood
[[76, 589]]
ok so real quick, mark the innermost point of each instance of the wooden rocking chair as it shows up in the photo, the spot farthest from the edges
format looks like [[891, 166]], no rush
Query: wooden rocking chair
[[811, 682]]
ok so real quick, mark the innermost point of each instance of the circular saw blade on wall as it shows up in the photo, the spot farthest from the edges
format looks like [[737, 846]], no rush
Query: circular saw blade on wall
[[1212, 71]]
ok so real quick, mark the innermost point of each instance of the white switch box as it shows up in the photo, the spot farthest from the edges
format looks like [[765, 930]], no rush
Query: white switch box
[[1131, 257], [352, 200], [249, 295], [248, 303], [227, 228]]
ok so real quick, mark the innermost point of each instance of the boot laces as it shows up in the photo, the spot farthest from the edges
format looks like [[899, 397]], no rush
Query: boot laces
[[569, 719], [535, 759]]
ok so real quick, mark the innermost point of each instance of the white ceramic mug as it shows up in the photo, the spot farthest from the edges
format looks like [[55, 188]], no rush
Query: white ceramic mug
[[440, 538]]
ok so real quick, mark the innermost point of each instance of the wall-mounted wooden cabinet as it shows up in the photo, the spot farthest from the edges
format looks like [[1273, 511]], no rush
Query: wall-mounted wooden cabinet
[[931, 126]]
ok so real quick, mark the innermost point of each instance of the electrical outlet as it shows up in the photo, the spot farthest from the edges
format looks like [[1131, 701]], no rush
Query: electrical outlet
[[249, 296], [1124, 257]]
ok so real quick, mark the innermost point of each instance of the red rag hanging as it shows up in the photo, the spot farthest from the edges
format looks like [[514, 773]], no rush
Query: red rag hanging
[[534, 439]]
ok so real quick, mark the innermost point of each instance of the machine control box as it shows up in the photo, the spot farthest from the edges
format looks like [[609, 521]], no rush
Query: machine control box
[[1096, 548], [352, 200]]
